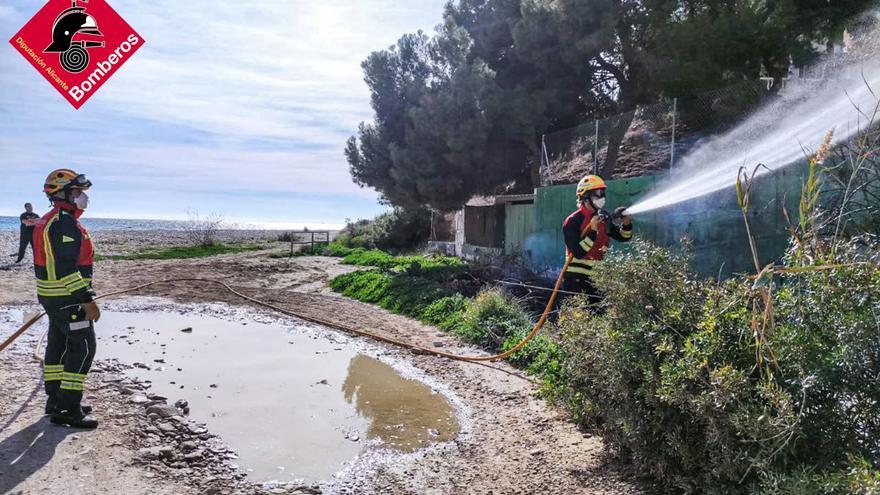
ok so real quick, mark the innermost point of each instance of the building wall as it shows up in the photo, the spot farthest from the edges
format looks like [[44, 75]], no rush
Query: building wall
[[519, 221], [484, 226]]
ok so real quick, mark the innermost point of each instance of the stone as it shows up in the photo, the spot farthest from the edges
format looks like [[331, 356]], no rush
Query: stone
[[139, 399], [167, 428], [187, 330], [194, 455], [189, 446], [163, 410], [153, 453]]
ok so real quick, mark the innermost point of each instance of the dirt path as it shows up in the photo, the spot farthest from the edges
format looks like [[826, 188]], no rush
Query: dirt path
[[517, 443]]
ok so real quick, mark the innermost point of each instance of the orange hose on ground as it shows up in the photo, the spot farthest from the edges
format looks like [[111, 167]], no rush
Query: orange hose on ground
[[320, 321]]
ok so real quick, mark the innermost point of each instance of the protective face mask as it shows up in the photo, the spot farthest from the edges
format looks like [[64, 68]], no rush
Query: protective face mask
[[81, 201], [598, 202]]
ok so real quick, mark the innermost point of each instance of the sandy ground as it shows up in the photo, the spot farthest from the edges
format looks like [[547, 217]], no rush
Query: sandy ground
[[516, 444]]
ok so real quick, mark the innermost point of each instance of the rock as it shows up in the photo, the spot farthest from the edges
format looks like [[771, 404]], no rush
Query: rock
[[163, 410], [323, 382], [153, 453], [535, 452], [181, 404], [156, 397], [141, 366], [189, 446], [194, 455], [139, 399], [213, 385], [167, 428], [160, 361], [187, 330], [439, 344]]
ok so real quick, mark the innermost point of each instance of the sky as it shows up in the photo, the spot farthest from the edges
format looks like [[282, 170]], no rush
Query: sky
[[235, 108]]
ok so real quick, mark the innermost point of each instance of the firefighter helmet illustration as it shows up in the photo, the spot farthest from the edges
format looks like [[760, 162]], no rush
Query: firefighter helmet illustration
[[74, 55]]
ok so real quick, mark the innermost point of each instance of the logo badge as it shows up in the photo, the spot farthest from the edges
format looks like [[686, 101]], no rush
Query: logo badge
[[77, 45]]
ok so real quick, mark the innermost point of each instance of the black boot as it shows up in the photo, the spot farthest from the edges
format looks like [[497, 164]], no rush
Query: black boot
[[75, 419], [52, 407]]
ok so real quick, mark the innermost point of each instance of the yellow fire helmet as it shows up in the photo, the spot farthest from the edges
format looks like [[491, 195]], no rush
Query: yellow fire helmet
[[589, 183], [65, 179]]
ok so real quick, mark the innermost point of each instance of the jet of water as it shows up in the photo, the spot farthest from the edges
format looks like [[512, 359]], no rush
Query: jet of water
[[776, 135]]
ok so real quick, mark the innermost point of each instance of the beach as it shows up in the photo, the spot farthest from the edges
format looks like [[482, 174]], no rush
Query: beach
[[512, 441]]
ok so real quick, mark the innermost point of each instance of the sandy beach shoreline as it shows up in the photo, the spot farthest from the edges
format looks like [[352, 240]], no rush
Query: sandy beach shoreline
[[517, 444]]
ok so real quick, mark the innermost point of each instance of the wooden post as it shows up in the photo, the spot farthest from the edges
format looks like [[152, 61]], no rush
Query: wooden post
[[313, 239], [291, 244]]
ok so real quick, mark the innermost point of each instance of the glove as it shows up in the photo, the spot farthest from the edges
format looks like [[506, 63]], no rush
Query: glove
[[620, 213]]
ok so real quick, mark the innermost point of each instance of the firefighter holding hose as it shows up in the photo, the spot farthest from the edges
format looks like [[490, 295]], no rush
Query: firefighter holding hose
[[63, 256], [587, 233]]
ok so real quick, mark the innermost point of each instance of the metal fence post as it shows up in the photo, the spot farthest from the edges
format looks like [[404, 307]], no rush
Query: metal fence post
[[674, 121], [596, 149]]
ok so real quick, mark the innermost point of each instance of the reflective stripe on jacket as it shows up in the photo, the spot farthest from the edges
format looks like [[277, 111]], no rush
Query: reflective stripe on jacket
[[63, 256], [587, 246]]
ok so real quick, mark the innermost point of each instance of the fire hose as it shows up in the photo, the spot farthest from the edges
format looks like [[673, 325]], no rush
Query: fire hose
[[320, 321]]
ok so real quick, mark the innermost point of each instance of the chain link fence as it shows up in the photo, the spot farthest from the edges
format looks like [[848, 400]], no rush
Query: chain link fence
[[649, 139]]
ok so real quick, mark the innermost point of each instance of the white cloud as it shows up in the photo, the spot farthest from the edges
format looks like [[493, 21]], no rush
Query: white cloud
[[254, 96]]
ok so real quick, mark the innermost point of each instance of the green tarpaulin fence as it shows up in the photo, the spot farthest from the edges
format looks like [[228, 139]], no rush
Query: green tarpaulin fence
[[713, 224]]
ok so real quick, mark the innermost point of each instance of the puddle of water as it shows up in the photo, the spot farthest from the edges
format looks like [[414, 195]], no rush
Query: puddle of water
[[293, 406], [403, 413]]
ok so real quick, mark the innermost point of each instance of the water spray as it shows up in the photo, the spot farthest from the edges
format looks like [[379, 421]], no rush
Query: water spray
[[777, 135]]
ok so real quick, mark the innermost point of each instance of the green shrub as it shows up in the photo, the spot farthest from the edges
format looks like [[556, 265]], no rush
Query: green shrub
[[668, 373], [371, 257], [861, 478], [333, 249], [446, 313], [435, 267], [492, 317], [398, 229], [398, 293]]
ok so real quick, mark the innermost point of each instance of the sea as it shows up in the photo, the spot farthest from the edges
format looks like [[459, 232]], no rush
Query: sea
[[98, 224]]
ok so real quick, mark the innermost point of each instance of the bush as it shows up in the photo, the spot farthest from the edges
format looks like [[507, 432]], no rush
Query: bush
[[446, 313], [202, 231], [333, 249], [398, 293], [398, 229], [491, 318], [436, 267], [670, 378]]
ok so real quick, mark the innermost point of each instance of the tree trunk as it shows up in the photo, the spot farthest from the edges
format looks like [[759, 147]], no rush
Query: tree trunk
[[615, 139]]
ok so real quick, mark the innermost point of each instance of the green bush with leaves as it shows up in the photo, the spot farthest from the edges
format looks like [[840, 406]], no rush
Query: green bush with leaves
[[492, 317], [445, 313], [398, 293], [671, 376], [435, 267], [396, 230]]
